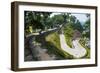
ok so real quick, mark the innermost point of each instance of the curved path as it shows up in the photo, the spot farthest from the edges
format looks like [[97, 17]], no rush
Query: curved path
[[77, 51]]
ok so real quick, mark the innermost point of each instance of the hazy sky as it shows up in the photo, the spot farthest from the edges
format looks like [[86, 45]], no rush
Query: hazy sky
[[80, 16]]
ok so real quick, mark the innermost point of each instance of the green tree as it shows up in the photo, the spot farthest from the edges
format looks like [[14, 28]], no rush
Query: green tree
[[36, 20], [86, 27]]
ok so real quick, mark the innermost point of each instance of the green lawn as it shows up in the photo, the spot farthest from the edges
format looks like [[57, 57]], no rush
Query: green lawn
[[68, 32], [87, 49], [68, 40], [55, 40], [53, 44]]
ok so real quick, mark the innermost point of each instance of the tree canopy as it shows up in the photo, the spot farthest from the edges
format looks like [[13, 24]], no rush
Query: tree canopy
[[44, 21]]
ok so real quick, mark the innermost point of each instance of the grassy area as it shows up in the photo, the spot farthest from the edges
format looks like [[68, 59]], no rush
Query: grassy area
[[68, 40], [68, 32], [54, 38], [55, 46], [87, 49]]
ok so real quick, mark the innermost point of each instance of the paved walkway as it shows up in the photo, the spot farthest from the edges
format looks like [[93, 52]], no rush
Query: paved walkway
[[77, 51]]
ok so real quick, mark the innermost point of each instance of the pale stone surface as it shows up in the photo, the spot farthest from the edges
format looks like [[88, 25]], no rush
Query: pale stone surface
[[78, 51]]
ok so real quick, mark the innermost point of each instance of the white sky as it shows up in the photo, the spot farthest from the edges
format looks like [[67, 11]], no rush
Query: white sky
[[81, 17], [54, 14]]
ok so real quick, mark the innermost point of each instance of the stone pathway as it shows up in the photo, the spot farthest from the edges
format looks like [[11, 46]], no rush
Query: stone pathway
[[77, 51]]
